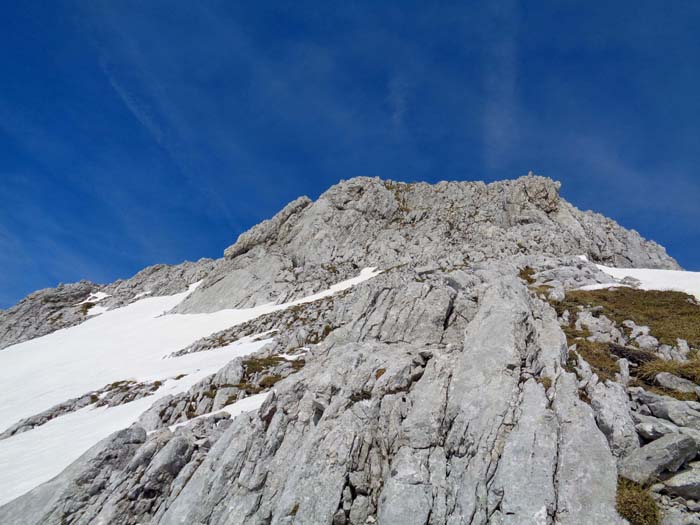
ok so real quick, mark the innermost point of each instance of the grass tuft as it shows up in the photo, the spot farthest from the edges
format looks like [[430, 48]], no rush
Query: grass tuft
[[545, 382], [599, 357], [526, 274], [269, 381], [686, 369], [635, 504], [85, 307], [260, 364]]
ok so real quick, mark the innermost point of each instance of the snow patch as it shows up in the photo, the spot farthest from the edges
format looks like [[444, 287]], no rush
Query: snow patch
[[602, 286], [676, 280], [247, 404], [94, 298], [96, 310], [120, 344], [290, 357]]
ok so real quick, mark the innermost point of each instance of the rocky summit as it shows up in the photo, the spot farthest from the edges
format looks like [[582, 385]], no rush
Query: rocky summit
[[456, 353]]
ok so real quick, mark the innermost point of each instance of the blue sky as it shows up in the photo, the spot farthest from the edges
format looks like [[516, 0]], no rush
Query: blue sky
[[134, 132]]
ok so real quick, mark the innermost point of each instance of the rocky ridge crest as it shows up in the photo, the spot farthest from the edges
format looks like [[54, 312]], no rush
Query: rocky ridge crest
[[452, 388]]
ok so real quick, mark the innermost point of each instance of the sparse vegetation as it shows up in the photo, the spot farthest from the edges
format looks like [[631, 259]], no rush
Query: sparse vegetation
[[120, 385], [603, 357], [399, 190], [249, 388], [269, 381], [331, 268], [541, 290], [526, 274], [85, 307], [670, 315], [360, 396], [317, 338], [636, 504], [210, 393], [297, 364], [260, 364], [545, 381], [686, 369], [600, 358]]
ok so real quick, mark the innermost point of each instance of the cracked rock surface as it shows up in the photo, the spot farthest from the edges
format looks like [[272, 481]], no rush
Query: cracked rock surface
[[441, 391]]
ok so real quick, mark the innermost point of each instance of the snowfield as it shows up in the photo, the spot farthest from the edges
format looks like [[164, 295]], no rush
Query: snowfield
[[680, 281], [126, 343]]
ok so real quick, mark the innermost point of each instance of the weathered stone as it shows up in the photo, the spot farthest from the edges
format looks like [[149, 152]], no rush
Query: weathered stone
[[586, 475], [651, 428], [647, 342], [682, 413], [612, 413], [685, 484], [667, 453], [602, 329], [676, 383]]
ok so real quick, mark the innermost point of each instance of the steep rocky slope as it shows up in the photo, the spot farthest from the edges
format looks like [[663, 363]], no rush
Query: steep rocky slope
[[468, 382]]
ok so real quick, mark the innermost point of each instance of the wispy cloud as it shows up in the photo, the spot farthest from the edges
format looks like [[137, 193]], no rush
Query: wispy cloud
[[130, 69], [500, 64], [398, 102], [137, 108]]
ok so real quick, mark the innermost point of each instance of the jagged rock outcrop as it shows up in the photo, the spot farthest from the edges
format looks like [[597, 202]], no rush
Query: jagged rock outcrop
[[371, 222], [51, 309], [45, 311], [442, 391], [114, 394], [433, 431]]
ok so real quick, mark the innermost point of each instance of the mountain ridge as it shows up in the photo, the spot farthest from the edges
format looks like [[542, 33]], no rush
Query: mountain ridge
[[414, 354]]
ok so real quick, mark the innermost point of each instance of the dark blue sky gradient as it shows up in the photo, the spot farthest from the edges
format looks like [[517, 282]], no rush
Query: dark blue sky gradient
[[137, 132]]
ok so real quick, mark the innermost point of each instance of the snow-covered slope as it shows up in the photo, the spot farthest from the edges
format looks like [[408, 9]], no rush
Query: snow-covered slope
[[688, 282], [129, 343]]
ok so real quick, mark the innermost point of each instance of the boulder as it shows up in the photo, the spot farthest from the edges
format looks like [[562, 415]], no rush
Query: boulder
[[667, 453], [651, 428], [612, 413], [676, 383], [682, 413], [685, 484], [647, 342]]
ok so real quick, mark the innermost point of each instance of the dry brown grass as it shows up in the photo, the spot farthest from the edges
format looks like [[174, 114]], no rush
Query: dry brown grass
[[269, 381], [545, 382], [635, 504], [526, 274], [670, 315], [260, 364], [686, 369], [598, 355]]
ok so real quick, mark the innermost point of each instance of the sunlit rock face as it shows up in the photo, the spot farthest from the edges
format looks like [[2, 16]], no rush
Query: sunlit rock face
[[422, 361]]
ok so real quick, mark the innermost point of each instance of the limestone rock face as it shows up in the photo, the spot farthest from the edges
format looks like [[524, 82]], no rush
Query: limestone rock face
[[371, 222], [43, 312], [67, 305], [440, 391]]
